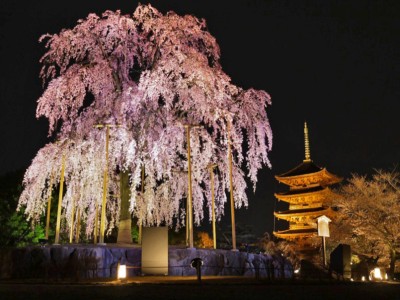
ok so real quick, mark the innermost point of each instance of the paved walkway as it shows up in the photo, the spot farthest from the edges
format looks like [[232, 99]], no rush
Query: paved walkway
[[211, 287]]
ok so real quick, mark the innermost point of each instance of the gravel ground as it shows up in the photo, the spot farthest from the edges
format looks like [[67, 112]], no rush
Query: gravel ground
[[188, 288]]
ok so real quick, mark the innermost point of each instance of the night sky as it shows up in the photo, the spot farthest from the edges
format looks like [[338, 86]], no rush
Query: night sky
[[334, 64]]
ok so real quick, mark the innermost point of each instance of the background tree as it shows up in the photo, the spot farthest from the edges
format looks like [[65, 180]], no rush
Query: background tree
[[368, 216], [15, 231], [151, 74], [280, 248], [204, 240]]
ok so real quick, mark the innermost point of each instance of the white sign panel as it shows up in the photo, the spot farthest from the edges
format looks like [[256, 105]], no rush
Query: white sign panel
[[323, 226]]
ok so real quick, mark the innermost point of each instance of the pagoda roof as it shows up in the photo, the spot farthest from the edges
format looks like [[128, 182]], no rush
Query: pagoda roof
[[302, 212], [306, 167], [304, 195], [295, 192], [308, 173], [296, 232]]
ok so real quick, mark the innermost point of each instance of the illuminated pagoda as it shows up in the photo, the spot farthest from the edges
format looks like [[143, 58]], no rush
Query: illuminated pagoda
[[308, 197]]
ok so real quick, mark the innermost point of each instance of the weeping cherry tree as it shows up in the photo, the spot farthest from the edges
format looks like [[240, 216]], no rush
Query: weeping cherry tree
[[148, 75]]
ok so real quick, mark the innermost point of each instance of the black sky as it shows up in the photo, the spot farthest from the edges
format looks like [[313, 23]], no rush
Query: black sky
[[334, 64]]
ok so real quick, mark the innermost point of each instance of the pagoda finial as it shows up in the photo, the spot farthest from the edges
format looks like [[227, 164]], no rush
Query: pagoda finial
[[306, 144]]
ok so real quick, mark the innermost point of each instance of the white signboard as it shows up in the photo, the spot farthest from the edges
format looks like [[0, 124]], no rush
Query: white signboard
[[323, 226]]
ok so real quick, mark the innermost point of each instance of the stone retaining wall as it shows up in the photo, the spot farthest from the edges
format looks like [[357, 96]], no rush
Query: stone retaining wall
[[90, 261]]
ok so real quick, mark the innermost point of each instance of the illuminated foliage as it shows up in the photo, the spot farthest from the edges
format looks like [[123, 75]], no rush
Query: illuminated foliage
[[368, 216], [150, 73], [204, 240]]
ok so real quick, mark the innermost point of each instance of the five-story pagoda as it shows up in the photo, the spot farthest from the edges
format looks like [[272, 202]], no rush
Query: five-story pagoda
[[308, 197]]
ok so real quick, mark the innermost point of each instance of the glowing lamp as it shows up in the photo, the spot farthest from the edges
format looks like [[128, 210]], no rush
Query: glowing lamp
[[121, 272], [377, 274]]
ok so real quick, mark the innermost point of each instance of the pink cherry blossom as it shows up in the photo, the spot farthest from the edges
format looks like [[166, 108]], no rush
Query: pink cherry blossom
[[150, 73]]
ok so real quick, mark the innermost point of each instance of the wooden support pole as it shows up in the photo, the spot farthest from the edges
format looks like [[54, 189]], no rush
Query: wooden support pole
[[78, 225], [214, 229], [49, 206], [105, 190], [71, 227], [60, 196], [96, 221], [189, 204], [231, 188], [140, 220]]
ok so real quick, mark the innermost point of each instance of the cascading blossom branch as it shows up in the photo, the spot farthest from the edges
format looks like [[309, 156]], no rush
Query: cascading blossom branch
[[151, 74]]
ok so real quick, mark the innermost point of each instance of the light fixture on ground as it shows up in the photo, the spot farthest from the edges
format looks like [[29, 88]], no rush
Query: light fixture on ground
[[121, 272]]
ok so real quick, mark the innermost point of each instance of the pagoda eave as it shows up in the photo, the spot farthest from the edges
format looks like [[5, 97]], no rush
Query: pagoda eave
[[306, 197], [291, 234], [289, 214], [322, 177]]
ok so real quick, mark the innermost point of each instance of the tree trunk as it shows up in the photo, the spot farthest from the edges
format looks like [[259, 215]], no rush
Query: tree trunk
[[392, 263], [125, 220]]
